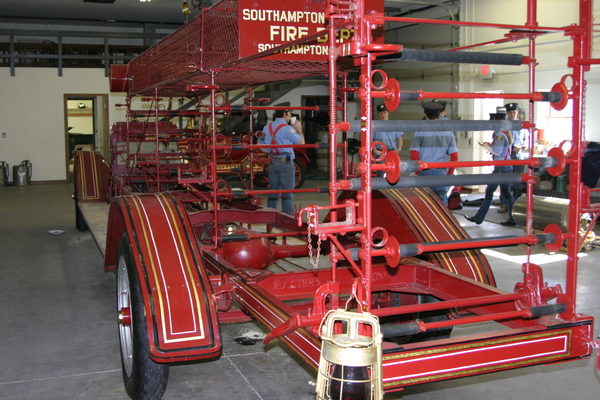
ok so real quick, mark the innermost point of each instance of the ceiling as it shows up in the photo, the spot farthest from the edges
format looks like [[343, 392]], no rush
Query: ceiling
[[162, 11], [154, 11]]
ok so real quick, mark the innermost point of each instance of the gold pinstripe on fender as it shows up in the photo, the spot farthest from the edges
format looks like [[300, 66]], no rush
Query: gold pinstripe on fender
[[89, 181], [152, 214], [408, 207]]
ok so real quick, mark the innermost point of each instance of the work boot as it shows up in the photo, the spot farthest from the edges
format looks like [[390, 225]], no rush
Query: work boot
[[471, 219], [503, 208]]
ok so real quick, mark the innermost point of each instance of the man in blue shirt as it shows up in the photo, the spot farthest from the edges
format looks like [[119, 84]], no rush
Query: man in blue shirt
[[435, 147], [391, 140], [519, 147], [281, 168], [500, 149]]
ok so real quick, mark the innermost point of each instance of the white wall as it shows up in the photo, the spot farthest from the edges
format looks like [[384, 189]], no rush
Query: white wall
[[32, 115], [551, 53]]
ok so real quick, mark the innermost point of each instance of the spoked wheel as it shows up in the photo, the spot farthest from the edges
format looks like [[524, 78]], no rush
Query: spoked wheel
[[144, 379], [261, 179], [300, 174]]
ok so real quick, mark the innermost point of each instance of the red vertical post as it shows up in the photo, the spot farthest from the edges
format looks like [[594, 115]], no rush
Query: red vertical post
[[532, 13], [581, 49], [531, 21], [213, 152], [156, 140], [345, 161], [250, 92], [367, 139], [332, 56]]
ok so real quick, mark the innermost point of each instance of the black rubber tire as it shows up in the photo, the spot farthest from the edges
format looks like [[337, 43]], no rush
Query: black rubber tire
[[300, 171], [261, 179], [147, 379], [80, 223]]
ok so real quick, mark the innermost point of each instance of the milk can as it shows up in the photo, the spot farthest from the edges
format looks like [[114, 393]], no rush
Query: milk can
[[3, 173], [22, 173]]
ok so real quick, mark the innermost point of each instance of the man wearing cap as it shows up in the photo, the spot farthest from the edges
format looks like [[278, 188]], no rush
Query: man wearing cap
[[520, 139], [281, 169], [500, 149], [519, 147], [391, 140], [443, 111], [435, 147]]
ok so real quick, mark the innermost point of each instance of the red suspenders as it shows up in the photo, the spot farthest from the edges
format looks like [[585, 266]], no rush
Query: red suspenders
[[273, 141]]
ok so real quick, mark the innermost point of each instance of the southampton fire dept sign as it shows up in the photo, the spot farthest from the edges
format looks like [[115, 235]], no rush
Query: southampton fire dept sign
[[267, 24]]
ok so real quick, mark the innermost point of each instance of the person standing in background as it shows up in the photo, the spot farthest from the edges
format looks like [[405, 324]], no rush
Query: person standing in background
[[500, 148], [392, 140], [435, 147], [518, 150], [443, 111], [281, 168], [519, 147]]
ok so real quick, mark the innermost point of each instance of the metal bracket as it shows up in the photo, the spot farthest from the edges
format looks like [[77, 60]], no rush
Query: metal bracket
[[312, 319], [222, 291], [537, 292], [341, 227]]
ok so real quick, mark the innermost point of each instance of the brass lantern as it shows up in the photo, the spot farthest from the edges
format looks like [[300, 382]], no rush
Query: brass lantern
[[350, 365]]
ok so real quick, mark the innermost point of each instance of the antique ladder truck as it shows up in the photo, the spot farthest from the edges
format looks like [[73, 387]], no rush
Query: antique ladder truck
[[387, 271]]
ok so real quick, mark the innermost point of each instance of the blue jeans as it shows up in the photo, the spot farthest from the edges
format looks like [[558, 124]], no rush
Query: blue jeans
[[519, 188], [489, 195], [282, 176], [441, 191]]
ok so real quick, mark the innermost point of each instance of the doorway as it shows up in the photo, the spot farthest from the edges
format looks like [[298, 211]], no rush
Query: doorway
[[315, 125], [86, 125]]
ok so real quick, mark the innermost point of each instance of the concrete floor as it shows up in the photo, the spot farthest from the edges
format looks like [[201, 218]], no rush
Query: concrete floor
[[59, 336]]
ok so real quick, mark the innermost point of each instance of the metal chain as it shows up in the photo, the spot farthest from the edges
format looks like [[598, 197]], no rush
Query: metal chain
[[314, 261]]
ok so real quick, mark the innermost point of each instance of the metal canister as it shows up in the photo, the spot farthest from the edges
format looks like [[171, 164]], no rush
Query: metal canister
[[546, 211], [22, 173], [3, 173]]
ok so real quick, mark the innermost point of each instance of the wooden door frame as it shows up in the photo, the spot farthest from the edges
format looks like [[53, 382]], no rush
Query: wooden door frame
[[100, 115]]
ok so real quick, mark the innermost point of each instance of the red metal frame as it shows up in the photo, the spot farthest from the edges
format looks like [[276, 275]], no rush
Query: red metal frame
[[364, 242]]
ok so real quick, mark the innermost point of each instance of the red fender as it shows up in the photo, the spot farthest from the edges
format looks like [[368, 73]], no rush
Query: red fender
[[422, 218], [180, 307], [91, 176], [301, 156]]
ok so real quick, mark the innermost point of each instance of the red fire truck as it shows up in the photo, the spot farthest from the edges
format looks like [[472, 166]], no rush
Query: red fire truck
[[386, 270]]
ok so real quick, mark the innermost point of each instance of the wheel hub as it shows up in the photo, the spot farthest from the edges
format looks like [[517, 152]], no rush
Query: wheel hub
[[124, 316]]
